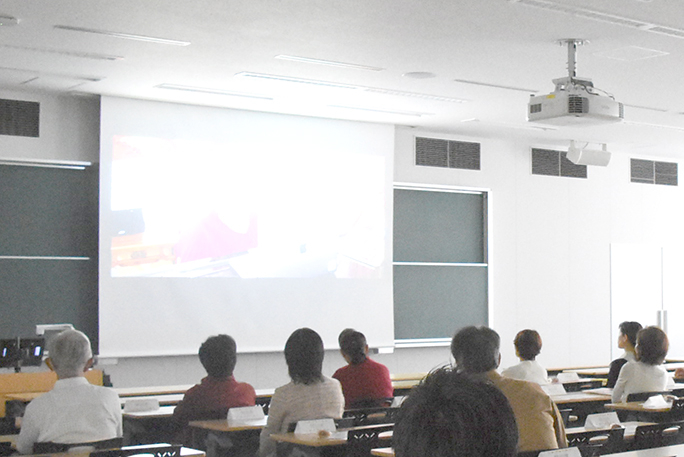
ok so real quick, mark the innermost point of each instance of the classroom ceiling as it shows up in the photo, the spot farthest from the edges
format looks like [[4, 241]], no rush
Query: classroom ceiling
[[465, 67]]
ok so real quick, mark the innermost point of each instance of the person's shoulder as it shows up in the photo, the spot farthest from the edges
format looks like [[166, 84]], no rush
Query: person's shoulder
[[245, 388], [377, 365], [341, 372]]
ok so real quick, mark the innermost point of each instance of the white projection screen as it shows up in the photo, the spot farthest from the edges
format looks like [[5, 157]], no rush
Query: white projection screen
[[246, 223]]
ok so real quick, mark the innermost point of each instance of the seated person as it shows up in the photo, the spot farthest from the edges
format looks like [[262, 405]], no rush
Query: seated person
[[627, 342], [451, 414], [646, 374], [310, 395], [540, 426], [528, 345], [218, 391], [365, 383], [74, 411]]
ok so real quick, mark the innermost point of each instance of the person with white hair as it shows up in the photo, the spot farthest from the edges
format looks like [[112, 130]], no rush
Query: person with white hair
[[74, 411]]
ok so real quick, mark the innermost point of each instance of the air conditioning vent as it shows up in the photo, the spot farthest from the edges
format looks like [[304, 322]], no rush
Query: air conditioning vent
[[433, 152], [651, 172], [555, 163], [19, 118], [536, 108]]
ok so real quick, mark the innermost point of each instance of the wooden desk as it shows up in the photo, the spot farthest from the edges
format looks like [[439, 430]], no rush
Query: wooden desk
[[666, 451], [580, 397], [241, 435], [163, 411], [629, 426], [163, 399], [152, 390], [383, 452], [222, 425], [408, 376], [185, 452], [635, 406], [404, 387]]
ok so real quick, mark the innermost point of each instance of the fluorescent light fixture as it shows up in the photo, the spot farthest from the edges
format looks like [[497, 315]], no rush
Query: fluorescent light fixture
[[330, 63], [496, 86], [291, 79], [84, 55], [372, 110], [208, 90], [127, 36], [377, 90]]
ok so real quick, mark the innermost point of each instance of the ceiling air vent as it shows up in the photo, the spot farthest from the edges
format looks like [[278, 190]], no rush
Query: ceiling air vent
[[433, 152], [19, 118], [555, 163], [651, 172]]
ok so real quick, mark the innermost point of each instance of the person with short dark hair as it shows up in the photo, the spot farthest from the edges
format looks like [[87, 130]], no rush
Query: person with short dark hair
[[647, 373], [528, 344], [540, 426], [626, 341], [453, 414], [309, 396], [365, 382], [74, 411], [218, 391]]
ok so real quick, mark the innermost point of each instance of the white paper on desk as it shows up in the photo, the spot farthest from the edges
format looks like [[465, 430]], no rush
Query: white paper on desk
[[141, 405], [567, 452], [246, 414], [601, 421], [656, 402], [314, 426], [554, 389], [567, 377]]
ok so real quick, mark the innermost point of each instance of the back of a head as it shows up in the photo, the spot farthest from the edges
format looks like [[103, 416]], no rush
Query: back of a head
[[353, 344], [652, 345], [218, 356], [528, 344], [454, 415], [304, 356], [630, 329], [476, 349], [69, 352]]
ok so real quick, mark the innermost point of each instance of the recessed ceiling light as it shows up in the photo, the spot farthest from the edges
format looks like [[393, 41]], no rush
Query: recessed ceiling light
[[373, 110], [208, 90], [330, 63], [8, 21], [419, 75], [128, 36], [84, 55]]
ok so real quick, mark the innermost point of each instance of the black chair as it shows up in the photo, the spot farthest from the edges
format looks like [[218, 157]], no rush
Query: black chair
[[360, 441], [165, 450], [677, 410], [658, 435], [368, 416], [643, 396], [48, 447], [598, 442], [264, 402]]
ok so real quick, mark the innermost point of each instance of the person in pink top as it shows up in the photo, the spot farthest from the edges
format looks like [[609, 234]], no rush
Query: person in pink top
[[218, 391], [365, 383]]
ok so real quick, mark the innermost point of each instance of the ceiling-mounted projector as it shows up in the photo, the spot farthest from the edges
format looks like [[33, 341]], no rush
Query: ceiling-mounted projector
[[575, 101], [583, 156]]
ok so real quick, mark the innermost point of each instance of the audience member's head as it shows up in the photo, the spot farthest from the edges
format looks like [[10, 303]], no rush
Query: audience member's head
[[353, 346], [628, 334], [652, 346], [528, 344], [304, 356], [476, 349], [451, 414], [218, 356], [70, 354]]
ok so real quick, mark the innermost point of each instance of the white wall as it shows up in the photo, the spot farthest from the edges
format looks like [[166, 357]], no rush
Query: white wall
[[550, 242], [69, 129], [549, 257]]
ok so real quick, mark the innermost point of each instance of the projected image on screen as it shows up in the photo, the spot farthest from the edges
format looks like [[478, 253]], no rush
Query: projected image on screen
[[189, 208]]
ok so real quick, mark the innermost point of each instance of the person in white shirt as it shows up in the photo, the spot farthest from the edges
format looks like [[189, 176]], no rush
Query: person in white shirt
[[528, 344], [647, 373], [74, 411]]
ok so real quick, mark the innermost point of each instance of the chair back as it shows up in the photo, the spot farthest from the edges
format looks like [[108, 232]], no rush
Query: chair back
[[643, 396], [598, 442], [677, 410], [361, 440], [153, 450], [48, 447], [657, 435]]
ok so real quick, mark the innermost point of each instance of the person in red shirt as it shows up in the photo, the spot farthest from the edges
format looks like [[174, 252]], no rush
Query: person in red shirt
[[365, 383], [217, 392]]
